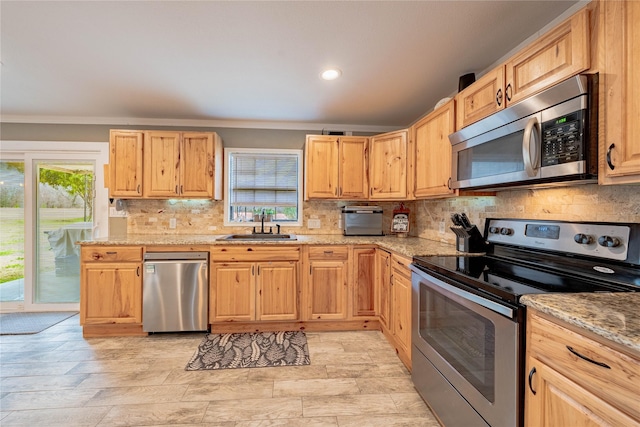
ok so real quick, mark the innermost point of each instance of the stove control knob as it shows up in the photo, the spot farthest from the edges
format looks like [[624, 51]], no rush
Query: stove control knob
[[583, 239], [494, 230], [608, 241], [506, 231]]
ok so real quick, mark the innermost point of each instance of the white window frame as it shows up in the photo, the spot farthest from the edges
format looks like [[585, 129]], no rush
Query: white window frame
[[227, 198]]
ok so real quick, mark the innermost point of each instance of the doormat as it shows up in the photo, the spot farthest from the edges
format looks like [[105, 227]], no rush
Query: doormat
[[250, 350], [25, 323]]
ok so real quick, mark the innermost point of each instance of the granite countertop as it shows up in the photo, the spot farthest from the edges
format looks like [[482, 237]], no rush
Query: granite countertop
[[408, 246], [613, 316]]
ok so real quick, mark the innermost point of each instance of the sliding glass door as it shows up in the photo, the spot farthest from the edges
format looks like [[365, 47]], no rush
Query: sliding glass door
[[60, 205]]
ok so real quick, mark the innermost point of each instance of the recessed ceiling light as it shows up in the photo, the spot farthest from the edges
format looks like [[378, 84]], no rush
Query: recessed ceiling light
[[331, 74]]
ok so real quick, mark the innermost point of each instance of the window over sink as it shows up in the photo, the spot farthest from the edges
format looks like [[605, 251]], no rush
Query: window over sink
[[263, 183]]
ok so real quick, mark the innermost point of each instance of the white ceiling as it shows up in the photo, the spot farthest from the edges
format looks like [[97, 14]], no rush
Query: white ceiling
[[250, 64]]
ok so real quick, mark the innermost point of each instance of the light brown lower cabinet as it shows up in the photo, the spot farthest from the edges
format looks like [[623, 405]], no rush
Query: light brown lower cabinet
[[363, 282], [395, 302], [326, 283], [111, 289], [243, 291], [383, 280], [577, 380]]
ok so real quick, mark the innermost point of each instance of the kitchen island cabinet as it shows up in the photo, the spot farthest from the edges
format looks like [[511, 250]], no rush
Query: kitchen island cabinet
[[577, 378]]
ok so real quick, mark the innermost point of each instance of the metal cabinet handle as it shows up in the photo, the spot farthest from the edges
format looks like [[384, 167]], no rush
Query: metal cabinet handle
[[138, 271], [604, 365], [177, 190], [611, 147], [328, 252], [336, 191], [449, 183], [111, 253], [253, 269], [499, 97], [531, 372], [507, 92], [531, 132], [182, 189], [138, 189]]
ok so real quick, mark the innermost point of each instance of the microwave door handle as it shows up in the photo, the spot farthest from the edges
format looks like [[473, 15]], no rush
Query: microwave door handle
[[531, 152]]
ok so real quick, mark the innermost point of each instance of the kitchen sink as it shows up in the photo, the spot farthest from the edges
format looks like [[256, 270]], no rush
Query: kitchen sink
[[259, 236]]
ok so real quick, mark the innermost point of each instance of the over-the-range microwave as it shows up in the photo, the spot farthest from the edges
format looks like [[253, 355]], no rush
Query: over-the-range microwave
[[548, 138]]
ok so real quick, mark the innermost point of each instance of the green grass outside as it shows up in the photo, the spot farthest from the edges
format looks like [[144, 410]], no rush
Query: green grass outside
[[12, 246]]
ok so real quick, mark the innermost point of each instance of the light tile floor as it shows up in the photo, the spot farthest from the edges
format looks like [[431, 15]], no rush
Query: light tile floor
[[58, 378]]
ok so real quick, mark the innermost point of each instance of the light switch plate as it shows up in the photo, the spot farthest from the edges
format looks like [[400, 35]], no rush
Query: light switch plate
[[172, 222], [313, 223]]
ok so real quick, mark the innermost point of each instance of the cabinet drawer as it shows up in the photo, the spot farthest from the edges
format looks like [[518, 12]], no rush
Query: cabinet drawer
[[254, 253], [619, 381], [111, 253], [328, 252], [400, 265]]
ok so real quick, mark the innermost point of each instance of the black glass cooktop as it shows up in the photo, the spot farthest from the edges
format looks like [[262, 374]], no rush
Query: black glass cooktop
[[509, 279]]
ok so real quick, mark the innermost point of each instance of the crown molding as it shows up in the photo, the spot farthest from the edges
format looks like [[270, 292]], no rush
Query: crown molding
[[241, 124]]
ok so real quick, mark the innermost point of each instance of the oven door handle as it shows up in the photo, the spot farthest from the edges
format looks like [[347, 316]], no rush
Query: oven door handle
[[486, 303]]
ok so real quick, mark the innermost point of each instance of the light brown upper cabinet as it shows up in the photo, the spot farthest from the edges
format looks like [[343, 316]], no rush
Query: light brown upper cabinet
[[432, 152], [557, 55], [182, 164], [336, 167], [620, 93], [388, 166], [125, 163]]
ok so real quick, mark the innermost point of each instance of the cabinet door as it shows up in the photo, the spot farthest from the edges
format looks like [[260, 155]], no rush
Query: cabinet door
[[197, 165], [401, 310], [559, 401], [110, 293], [556, 56], [620, 132], [233, 292], [161, 164], [388, 166], [321, 167], [481, 99], [383, 279], [433, 152], [277, 291], [364, 289], [354, 164], [327, 290], [125, 163]]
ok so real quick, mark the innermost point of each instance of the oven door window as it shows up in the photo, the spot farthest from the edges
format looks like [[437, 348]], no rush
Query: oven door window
[[465, 339]]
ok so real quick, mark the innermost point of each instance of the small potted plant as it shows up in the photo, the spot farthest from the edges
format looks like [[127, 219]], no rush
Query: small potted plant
[[269, 214]]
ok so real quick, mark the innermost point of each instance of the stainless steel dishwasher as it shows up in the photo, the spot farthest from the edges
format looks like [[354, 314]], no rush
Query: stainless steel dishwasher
[[175, 291]]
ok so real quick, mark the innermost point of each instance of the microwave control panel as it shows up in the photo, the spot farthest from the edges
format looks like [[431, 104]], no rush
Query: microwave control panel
[[563, 139]]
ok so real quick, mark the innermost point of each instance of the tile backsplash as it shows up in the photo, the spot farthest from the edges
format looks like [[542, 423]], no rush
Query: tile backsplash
[[579, 203]]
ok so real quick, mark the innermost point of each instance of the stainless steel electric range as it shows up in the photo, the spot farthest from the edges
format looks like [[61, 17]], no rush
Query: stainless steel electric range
[[468, 324]]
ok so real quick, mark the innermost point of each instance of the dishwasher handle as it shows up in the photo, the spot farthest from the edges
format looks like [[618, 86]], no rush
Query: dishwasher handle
[[176, 256]]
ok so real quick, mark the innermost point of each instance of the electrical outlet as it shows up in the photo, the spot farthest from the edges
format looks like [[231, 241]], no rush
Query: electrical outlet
[[313, 223], [172, 222], [441, 227], [114, 213]]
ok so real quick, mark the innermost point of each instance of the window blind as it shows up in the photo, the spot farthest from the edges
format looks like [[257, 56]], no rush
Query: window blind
[[263, 180]]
